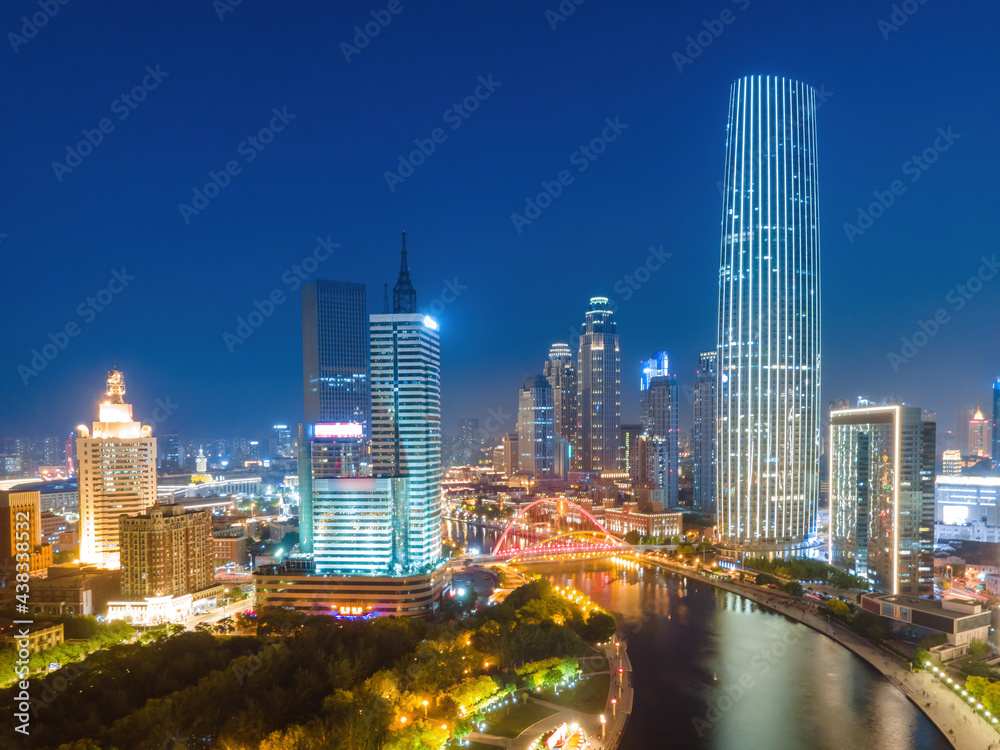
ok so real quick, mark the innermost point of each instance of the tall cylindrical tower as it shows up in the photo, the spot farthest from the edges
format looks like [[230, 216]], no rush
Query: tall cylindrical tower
[[769, 322]]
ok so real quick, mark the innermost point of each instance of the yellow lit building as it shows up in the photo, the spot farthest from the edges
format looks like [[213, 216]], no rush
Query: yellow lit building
[[21, 523], [117, 474]]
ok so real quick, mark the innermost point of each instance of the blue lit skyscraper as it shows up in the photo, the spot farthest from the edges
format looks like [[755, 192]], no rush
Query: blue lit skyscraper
[[996, 420], [536, 428], [767, 479], [658, 415]]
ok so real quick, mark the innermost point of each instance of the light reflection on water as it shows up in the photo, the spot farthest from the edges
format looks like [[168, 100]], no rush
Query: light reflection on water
[[714, 670]]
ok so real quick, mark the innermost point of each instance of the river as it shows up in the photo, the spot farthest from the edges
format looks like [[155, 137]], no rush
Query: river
[[715, 670]]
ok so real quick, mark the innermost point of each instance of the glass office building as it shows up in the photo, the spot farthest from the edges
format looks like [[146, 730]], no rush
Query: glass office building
[[882, 497], [658, 415], [561, 374], [535, 428], [599, 389], [767, 471], [335, 353], [703, 437]]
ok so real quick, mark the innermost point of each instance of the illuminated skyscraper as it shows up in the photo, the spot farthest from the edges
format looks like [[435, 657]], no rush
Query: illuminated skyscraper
[[767, 479], [21, 534], [882, 497], [117, 474], [658, 414], [703, 436], [599, 389], [561, 374], [535, 430], [978, 427], [335, 353]]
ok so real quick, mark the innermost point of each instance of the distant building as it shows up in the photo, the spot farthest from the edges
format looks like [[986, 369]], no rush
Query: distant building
[[629, 518], [168, 448], [561, 374], [21, 533], [951, 463], [659, 415], [230, 548], [535, 428], [511, 454], [117, 474], [703, 436], [75, 589], [979, 444], [41, 636], [282, 441], [57, 496], [995, 425], [882, 497], [599, 399], [630, 450], [967, 508]]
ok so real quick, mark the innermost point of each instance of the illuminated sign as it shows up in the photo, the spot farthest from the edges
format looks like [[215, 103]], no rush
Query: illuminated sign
[[430, 323], [338, 430]]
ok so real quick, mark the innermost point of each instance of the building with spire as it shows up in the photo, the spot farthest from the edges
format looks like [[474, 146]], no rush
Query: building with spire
[[117, 474], [599, 389], [979, 444], [404, 296]]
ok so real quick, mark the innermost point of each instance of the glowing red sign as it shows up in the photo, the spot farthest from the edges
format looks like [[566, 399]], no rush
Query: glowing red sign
[[338, 430]]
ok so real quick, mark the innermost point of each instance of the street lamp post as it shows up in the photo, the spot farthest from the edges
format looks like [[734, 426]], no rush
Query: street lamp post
[[425, 709], [614, 706], [621, 678], [604, 724]]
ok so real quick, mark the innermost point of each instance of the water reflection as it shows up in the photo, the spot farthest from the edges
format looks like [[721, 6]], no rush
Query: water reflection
[[714, 670]]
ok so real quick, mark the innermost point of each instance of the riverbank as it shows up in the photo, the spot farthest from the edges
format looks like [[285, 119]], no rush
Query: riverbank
[[954, 719]]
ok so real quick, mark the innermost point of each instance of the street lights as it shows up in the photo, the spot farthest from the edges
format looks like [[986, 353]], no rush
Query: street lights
[[614, 705], [425, 709], [604, 724], [621, 678]]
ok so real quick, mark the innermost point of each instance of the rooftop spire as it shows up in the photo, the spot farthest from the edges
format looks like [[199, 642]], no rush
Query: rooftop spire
[[385, 300], [404, 296]]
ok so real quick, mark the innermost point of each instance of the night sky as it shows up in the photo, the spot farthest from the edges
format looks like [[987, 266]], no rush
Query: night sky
[[208, 85]]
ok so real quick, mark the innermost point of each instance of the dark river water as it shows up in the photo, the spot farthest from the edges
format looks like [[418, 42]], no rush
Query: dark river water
[[714, 670]]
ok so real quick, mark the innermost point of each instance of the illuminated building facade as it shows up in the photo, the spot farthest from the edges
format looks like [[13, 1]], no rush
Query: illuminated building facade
[[882, 497], [996, 424], [978, 435], [658, 411], [166, 551], [561, 374], [767, 471], [535, 429], [703, 436], [599, 392], [21, 533], [117, 474]]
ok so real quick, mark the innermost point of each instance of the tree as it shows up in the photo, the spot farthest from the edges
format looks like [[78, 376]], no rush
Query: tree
[[979, 647], [633, 537], [921, 657], [838, 608], [794, 588], [977, 687]]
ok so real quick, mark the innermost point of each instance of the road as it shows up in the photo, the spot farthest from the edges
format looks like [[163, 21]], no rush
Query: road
[[217, 614]]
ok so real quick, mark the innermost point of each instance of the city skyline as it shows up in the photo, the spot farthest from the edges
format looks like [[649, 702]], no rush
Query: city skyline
[[612, 214]]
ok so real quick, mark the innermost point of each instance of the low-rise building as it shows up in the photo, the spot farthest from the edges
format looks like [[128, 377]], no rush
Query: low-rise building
[[629, 518], [960, 620], [75, 589], [230, 549], [36, 637]]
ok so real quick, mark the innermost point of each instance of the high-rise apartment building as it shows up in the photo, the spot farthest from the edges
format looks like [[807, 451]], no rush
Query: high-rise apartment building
[[166, 552], [335, 353], [21, 534], [631, 452], [599, 392], [281, 442], [658, 411], [561, 374], [535, 428], [703, 436], [511, 457], [117, 474], [882, 497], [767, 476], [951, 463]]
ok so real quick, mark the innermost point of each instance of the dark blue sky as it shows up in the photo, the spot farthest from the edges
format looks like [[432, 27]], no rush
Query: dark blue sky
[[323, 175]]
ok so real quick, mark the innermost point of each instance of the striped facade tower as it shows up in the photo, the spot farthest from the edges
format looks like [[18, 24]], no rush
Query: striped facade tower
[[768, 386]]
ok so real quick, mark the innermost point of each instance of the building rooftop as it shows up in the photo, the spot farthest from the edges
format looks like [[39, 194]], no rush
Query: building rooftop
[[938, 607]]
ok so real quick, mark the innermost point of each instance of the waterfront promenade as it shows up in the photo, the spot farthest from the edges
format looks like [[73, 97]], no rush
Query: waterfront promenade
[[964, 728], [616, 717]]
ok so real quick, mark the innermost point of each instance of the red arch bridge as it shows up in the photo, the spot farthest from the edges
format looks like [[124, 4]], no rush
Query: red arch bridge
[[555, 526]]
